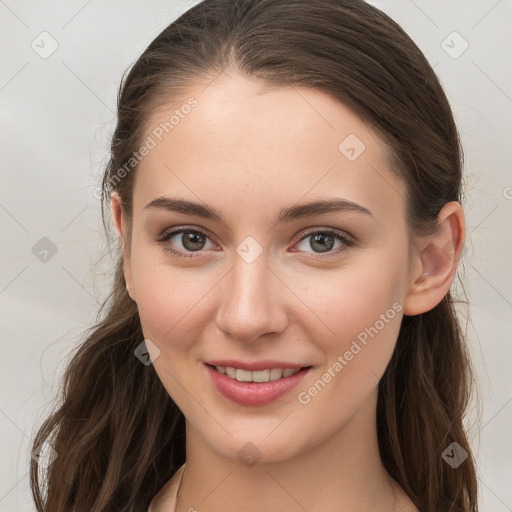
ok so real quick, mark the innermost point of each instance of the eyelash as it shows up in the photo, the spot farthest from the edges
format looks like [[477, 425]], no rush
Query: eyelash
[[348, 243]]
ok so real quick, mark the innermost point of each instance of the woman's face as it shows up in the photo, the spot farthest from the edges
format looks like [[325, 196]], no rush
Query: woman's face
[[265, 283]]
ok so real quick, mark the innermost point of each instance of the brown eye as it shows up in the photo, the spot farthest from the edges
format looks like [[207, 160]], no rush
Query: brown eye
[[324, 242], [187, 241], [192, 241]]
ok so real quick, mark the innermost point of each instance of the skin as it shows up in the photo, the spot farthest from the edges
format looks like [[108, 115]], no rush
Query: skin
[[248, 151]]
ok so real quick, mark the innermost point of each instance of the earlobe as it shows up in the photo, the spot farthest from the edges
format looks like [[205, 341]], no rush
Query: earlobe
[[436, 261]]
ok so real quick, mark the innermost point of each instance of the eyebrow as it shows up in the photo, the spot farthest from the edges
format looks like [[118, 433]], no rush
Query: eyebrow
[[285, 215]]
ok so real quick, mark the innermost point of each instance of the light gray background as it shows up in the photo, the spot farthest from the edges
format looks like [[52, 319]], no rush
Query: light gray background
[[56, 118]]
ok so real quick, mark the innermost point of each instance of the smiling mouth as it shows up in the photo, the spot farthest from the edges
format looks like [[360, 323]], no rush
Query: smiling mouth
[[268, 375]]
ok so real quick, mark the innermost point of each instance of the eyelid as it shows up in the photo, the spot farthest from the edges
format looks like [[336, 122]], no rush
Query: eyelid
[[176, 230], [311, 231]]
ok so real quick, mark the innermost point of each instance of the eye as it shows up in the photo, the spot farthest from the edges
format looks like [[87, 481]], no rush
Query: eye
[[323, 241], [192, 240]]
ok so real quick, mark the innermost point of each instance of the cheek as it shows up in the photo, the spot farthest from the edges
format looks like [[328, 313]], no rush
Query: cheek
[[361, 313], [170, 300], [350, 303], [364, 322]]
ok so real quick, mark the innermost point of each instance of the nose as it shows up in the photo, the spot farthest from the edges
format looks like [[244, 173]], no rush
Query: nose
[[252, 301]]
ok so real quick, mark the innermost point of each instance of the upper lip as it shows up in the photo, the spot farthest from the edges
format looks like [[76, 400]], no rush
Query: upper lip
[[255, 365]]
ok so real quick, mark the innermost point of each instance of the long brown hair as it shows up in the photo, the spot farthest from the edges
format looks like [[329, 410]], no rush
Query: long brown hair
[[117, 434]]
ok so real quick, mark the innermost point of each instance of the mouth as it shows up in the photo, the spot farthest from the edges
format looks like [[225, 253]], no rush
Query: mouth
[[255, 387]]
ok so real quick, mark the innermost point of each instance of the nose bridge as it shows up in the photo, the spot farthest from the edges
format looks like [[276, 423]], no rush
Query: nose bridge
[[249, 305]]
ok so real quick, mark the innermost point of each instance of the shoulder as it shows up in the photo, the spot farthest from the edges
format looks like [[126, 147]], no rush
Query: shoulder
[[165, 499]]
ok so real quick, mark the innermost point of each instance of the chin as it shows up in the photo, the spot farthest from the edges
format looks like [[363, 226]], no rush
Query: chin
[[250, 450]]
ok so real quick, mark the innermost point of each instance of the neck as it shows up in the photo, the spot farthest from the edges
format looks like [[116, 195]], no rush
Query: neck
[[342, 473]]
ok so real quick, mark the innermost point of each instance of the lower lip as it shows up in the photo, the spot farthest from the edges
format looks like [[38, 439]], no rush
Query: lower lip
[[254, 393]]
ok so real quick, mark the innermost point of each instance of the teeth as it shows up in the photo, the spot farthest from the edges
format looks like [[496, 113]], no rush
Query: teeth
[[257, 376], [243, 376], [276, 373]]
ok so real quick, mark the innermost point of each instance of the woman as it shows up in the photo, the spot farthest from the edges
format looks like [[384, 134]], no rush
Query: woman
[[285, 182]]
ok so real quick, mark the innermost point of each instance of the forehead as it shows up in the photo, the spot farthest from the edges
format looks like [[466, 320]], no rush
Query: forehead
[[257, 148]]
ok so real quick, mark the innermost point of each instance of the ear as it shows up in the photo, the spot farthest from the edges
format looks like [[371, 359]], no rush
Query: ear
[[119, 224], [435, 261]]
